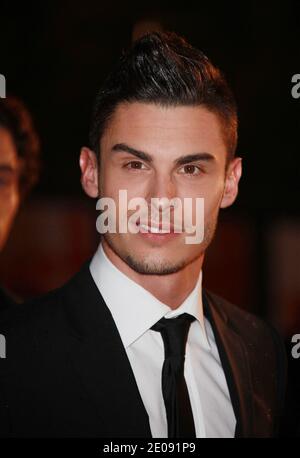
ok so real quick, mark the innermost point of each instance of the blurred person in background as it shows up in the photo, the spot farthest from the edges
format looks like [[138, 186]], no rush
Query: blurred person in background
[[19, 168]]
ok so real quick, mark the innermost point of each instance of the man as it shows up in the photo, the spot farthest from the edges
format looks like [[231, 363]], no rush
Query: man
[[133, 346], [19, 167]]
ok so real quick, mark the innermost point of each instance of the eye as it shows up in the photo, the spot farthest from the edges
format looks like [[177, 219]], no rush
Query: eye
[[190, 169], [6, 180], [135, 165]]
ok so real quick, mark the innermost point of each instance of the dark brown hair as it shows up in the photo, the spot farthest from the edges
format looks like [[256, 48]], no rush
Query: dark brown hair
[[15, 117], [162, 68]]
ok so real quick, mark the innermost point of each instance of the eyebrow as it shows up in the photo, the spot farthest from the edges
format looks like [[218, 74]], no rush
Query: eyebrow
[[195, 157], [122, 147], [119, 147]]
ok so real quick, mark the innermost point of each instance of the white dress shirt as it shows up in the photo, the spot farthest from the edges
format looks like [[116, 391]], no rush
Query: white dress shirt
[[135, 310]]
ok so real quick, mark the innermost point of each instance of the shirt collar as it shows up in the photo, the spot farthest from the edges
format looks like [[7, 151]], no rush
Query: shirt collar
[[134, 309]]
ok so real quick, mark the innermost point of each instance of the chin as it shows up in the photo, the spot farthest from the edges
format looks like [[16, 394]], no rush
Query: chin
[[153, 267]]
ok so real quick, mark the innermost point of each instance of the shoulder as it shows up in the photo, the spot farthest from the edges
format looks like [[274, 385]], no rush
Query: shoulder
[[252, 328], [40, 326], [34, 331], [6, 300], [48, 311], [262, 344]]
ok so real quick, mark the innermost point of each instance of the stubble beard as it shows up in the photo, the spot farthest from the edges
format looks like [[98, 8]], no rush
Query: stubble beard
[[161, 267]]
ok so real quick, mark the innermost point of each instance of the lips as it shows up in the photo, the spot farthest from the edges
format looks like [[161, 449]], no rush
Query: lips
[[157, 228]]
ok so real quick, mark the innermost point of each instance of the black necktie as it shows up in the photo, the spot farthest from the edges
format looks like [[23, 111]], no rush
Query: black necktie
[[174, 332]]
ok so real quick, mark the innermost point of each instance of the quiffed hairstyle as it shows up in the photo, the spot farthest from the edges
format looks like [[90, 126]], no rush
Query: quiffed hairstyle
[[162, 68], [15, 117]]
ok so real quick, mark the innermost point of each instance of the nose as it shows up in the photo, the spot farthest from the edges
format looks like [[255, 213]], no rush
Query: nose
[[162, 190]]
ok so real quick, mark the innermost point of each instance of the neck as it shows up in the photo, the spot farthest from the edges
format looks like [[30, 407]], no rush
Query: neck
[[170, 289]]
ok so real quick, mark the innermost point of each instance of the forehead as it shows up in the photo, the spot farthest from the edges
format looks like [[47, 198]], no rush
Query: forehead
[[8, 153], [184, 128]]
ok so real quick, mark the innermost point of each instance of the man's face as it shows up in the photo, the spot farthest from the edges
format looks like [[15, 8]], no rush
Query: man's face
[[183, 155], [9, 190]]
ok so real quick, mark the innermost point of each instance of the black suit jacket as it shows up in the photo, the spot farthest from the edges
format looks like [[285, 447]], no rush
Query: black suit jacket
[[6, 301], [67, 374]]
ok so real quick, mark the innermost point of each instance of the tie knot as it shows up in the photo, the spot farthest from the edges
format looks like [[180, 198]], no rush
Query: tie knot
[[174, 332]]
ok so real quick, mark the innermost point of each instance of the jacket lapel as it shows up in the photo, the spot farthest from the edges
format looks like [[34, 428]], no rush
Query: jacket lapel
[[101, 362], [235, 365]]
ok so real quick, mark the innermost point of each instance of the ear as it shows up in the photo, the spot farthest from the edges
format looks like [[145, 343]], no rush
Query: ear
[[89, 171], [233, 176]]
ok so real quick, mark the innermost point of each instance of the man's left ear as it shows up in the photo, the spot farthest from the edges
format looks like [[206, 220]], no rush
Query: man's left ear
[[233, 176]]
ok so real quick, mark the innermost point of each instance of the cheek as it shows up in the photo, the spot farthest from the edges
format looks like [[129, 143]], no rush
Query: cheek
[[213, 193], [9, 204], [9, 201], [114, 179], [210, 192], [212, 204]]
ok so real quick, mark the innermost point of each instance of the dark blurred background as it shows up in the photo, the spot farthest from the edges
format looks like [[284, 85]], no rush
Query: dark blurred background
[[55, 54]]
